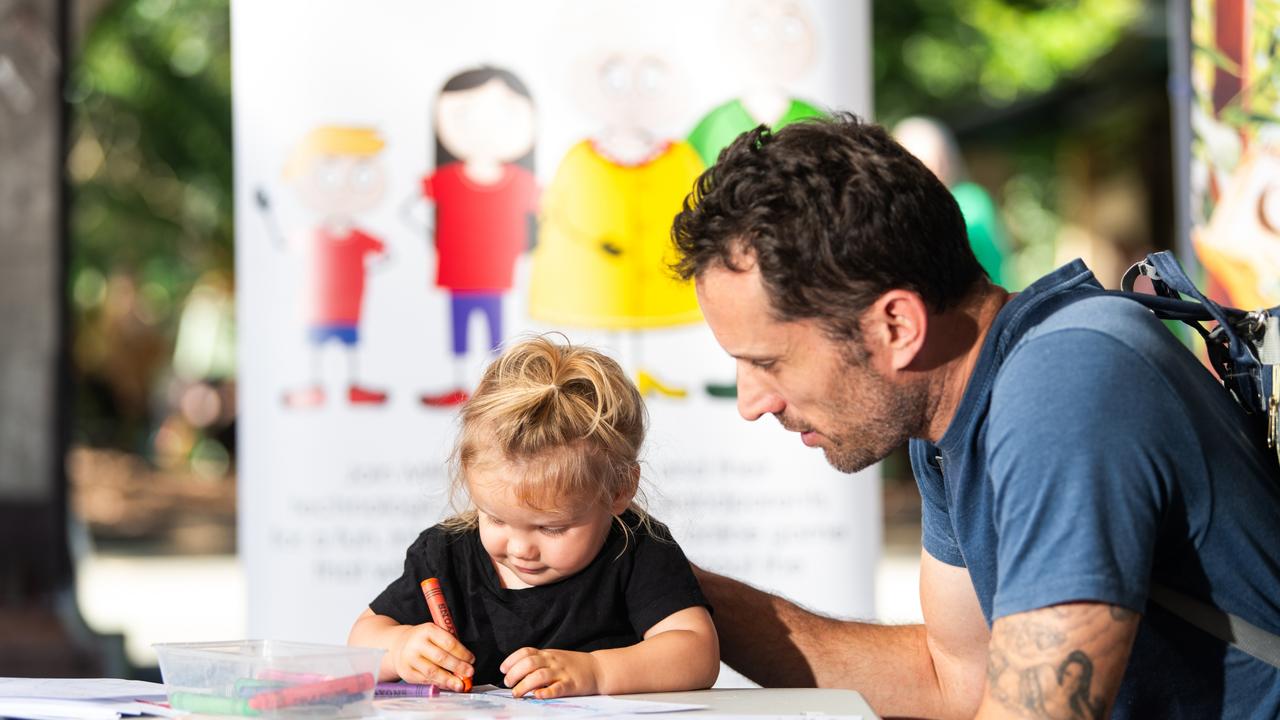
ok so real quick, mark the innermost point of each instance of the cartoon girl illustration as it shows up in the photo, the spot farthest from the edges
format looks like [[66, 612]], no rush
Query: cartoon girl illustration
[[338, 174], [604, 245], [485, 196]]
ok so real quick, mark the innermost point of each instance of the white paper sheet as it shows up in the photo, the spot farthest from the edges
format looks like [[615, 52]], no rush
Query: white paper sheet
[[718, 716], [488, 700], [79, 698], [596, 705], [49, 708], [79, 688]]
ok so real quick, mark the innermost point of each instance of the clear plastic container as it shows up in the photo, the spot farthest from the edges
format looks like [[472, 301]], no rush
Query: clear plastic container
[[269, 678]]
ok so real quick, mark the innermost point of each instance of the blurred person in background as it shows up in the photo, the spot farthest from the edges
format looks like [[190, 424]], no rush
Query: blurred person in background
[[935, 146]]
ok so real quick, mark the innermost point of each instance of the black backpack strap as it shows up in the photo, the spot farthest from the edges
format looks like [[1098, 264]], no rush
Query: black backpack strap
[[1243, 348], [1234, 359]]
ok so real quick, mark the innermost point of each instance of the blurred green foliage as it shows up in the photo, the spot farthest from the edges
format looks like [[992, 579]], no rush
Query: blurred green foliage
[[150, 176], [947, 56], [1026, 82]]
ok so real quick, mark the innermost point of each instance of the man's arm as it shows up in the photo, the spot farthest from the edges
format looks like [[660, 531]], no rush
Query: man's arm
[[1064, 661], [931, 670]]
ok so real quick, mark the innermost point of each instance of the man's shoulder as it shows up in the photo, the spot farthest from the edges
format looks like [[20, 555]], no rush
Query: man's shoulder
[[1091, 358], [1103, 324], [1102, 312], [1105, 364]]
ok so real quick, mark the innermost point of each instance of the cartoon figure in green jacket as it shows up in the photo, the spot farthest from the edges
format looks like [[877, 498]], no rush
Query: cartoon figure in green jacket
[[772, 42]]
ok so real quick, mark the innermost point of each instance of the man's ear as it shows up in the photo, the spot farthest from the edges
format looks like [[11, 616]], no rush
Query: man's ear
[[623, 499], [896, 323]]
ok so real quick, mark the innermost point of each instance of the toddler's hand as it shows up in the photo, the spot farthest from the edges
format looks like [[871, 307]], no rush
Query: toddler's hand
[[427, 653], [550, 673]]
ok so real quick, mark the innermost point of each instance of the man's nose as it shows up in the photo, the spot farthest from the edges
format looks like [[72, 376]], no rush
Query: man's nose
[[755, 396]]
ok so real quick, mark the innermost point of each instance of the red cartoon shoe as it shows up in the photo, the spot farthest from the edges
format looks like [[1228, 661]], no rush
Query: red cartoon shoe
[[357, 395], [452, 398], [305, 398]]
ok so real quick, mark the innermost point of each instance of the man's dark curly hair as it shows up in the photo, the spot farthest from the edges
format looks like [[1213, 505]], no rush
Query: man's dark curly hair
[[835, 213]]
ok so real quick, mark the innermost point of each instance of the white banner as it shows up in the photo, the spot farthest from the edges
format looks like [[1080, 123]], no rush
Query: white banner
[[368, 302]]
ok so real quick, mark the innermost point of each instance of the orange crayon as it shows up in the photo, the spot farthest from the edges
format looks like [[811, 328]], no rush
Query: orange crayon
[[440, 615]]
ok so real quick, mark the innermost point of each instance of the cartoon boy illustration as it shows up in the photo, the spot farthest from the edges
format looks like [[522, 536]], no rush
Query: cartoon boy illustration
[[485, 198], [338, 174]]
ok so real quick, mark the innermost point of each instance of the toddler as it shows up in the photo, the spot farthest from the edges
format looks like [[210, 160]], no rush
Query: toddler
[[558, 582]]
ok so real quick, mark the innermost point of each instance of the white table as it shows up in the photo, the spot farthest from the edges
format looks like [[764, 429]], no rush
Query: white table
[[764, 701]]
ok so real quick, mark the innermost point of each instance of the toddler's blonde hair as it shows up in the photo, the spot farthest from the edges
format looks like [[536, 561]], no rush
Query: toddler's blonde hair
[[567, 417]]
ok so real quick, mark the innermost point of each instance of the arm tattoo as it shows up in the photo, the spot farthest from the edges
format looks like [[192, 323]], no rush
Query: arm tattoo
[[1044, 691], [1031, 637], [1019, 679]]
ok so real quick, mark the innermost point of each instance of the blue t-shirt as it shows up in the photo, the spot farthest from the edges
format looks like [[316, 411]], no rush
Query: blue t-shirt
[[1091, 456]]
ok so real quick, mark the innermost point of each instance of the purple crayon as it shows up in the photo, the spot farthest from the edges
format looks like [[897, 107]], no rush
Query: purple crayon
[[402, 689]]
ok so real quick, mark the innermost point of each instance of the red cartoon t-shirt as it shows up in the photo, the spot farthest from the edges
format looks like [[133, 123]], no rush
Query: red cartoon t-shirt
[[480, 229], [337, 275]]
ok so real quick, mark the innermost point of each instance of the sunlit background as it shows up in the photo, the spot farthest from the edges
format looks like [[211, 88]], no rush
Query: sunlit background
[[1062, 114]]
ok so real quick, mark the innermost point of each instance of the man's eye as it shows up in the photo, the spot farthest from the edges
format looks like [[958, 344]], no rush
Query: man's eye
[[763, 364], [553, 530]]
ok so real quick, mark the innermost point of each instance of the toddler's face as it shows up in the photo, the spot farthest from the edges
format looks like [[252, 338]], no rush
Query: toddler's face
[[534, 547]]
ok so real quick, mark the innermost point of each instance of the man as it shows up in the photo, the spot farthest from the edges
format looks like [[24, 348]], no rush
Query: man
[[1073, 458]]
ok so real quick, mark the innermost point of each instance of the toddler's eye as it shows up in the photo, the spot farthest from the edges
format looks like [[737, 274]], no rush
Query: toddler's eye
[[493, 520], [553, 530]]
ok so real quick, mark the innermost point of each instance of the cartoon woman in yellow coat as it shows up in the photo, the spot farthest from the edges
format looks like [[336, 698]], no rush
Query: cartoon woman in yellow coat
[[604, 245]]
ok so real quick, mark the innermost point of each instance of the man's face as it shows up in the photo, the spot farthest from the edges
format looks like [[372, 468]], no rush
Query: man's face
[[811, 383]]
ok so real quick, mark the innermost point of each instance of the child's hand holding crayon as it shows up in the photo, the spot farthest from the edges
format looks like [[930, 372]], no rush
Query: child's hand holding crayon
[[551, 673], [427, 653]]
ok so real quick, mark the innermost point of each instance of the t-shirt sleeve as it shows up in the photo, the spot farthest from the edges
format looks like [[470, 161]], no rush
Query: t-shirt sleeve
[[1079, 478], [370, 243], [937, 534], [529, 191], [402, 600], [661, 582]]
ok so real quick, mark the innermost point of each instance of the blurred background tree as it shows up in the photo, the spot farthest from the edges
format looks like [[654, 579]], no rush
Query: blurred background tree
[[1061, 111], [953, 56], [151, 234]]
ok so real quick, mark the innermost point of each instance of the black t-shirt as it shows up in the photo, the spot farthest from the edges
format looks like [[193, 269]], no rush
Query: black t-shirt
[[609, 604]]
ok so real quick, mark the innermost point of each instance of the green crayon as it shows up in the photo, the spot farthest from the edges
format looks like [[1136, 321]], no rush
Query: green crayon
[[210, 704]]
